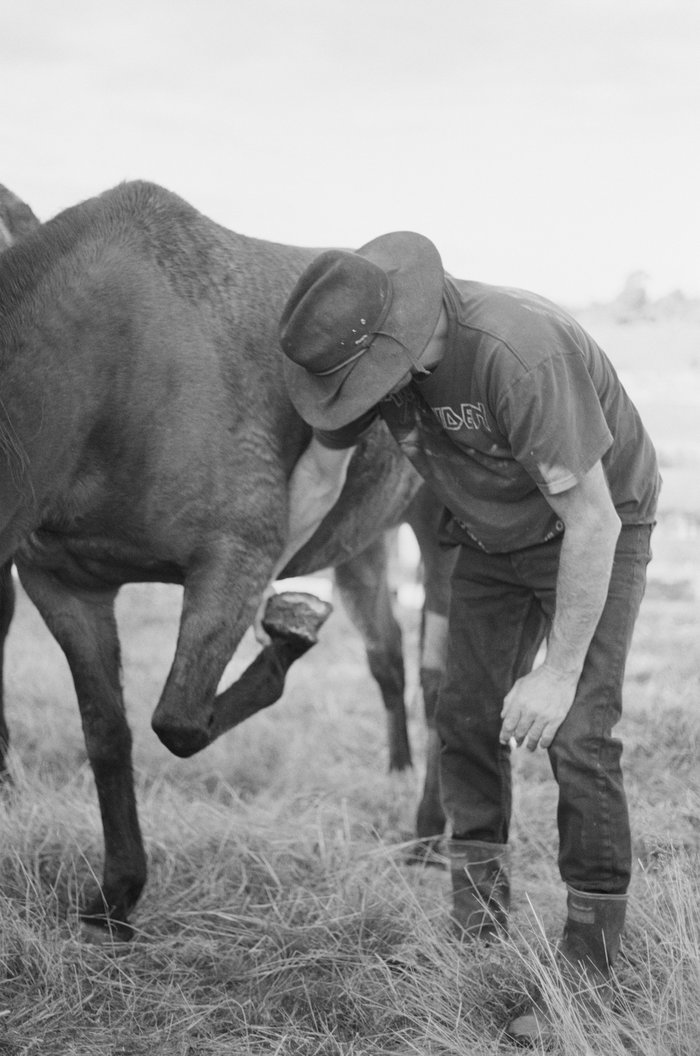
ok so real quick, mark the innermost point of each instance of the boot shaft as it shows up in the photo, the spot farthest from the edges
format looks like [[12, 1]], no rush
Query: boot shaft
[[593, 930], [480, 887], [585, 957]]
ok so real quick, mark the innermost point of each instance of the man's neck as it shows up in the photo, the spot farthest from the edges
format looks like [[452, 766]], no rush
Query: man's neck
[[435, 349]]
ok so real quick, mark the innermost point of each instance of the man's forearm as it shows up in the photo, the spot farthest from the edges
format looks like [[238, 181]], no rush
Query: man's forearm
[[307, 508], [314, 488], [585, 565], [539, 701]]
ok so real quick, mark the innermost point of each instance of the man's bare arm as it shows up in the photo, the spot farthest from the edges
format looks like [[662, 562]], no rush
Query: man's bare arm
[[539, 702], [314, 487]]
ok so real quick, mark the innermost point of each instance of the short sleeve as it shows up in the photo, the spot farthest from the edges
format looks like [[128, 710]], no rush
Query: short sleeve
[[348, 435], [554, 422]]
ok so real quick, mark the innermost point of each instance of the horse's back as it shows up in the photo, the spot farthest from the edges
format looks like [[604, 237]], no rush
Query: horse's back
[[161, 377]]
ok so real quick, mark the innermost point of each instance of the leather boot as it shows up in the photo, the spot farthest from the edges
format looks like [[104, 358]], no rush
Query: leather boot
[[585, 957], [480, 888]]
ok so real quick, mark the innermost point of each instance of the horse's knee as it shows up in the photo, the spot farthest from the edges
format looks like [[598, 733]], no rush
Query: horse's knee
[[184, 734], [108, 739]]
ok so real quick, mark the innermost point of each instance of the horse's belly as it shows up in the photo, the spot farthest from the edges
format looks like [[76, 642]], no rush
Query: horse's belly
[[94, 561]]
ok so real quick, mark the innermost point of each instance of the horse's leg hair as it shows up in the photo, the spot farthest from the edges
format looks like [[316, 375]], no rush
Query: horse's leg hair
[[364, 588], [83, 624]]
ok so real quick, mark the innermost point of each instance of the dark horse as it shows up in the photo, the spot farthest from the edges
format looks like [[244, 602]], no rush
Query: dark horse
[[146, 435]]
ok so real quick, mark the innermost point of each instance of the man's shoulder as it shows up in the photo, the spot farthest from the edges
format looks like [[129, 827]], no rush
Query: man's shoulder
[[483, 304], [526, 324]]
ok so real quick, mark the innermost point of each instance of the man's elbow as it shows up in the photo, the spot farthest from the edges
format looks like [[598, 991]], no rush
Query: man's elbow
[[606, 525], [596, 524]]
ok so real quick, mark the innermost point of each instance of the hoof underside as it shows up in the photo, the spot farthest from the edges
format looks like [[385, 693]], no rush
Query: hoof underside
[[295, 615]]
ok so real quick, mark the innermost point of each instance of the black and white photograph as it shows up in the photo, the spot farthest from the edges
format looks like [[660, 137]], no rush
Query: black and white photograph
[[349, 528]]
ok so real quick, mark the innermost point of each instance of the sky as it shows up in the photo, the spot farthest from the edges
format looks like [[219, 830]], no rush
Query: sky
[[547, 144]]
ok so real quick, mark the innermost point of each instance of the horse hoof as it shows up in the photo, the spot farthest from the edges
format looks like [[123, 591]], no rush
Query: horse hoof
[[98, 931], [295, 615]]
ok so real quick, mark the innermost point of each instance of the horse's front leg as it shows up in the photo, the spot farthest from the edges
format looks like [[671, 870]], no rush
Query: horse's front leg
[[222, 592], [7, 608], [83, 624], [292, 622]]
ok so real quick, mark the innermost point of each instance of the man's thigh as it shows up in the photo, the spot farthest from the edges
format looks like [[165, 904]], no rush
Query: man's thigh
[[496, 624]]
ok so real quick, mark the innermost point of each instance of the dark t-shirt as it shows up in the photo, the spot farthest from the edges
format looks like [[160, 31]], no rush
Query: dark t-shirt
[[522, 405]]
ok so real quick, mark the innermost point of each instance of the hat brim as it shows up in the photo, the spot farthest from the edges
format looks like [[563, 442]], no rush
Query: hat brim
[[414, 266]]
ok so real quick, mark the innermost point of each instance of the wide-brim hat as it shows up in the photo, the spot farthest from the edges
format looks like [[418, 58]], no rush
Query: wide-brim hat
[[356, 324]]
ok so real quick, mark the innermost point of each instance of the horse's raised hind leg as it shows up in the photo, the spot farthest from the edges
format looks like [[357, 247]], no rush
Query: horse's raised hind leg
[[83, 624], [7, 609], [364, 588]]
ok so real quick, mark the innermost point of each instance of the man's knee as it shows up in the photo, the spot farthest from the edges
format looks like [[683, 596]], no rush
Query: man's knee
[[466, 726], [584, 750]]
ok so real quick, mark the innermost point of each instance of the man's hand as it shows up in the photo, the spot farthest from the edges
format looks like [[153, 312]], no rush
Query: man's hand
[[536, 706], [261, 635]]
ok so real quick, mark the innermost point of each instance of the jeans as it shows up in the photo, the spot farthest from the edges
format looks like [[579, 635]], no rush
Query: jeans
[[501, 608]]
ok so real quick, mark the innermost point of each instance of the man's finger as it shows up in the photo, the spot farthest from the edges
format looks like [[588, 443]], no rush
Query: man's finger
[[523, 729], [549, 733], [546, 739], [261, 635], [507, 731], [534, 737], [510, 721]]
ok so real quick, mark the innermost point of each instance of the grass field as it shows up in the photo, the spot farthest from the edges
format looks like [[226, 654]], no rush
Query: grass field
[[279, 917]]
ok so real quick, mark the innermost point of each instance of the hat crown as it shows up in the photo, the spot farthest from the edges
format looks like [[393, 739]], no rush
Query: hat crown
[[356, 324], [334, 310]]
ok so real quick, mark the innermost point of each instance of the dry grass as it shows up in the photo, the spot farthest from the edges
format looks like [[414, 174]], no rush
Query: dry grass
[[279, 917]]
